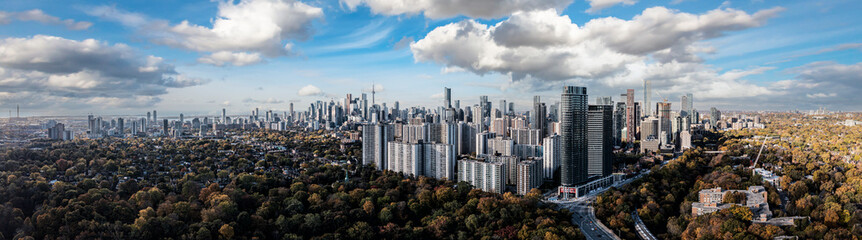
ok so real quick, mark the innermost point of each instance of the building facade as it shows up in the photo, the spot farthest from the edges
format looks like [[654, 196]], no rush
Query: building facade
[[600, 140], [573, 137]]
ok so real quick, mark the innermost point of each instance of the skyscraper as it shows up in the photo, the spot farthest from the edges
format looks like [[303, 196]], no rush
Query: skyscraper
[[165, 127], [364, 106], [631, 129], [447, 93], [292, 113], [600, 140], [573, 140], [155, 117], [647, 96], [551, 155], [714, 116], [224, 116], [347, 99], [686, 105], [619, 122], [664, 121], [485, 106], [538, 116], [121, 126]]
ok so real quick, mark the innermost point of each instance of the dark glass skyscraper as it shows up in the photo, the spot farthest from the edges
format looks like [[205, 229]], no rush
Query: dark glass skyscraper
[[600, 139], [539, 114], [447, 93], [573, 137]]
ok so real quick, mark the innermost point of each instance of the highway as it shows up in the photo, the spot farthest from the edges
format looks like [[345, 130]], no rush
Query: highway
[[583, 213], [642, 230], [584, 216]]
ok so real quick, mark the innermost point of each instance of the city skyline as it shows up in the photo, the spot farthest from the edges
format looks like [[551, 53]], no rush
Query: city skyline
[[144, 56]]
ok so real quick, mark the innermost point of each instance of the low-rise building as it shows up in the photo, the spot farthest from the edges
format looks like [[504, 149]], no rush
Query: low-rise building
[[712, 200]]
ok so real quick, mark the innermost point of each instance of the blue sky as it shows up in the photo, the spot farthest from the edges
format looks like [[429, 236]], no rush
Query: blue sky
[[741, 55]]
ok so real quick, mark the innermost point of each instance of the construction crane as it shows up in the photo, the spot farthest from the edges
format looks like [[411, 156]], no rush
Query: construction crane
[[659, 95]]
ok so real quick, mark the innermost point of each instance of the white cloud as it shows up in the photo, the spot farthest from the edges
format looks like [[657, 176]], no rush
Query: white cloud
[[540, 50], [821, 80], [437, 9], [821, 95], [376, 87], [310, 90], [125, 18], [84, 72], [38, 15], [547, 46], [815, 85], [242, 31], [234, 58], [597, 5], [659, 28]]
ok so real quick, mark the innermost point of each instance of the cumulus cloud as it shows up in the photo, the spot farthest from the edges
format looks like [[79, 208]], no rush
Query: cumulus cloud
[[598, 5], [310, 90], [437, 9], [660, 28], [84, 72], [660, 44], [826, 80], [233, 58], [37, 15], [675, 78], [241, 33], [548, 46]]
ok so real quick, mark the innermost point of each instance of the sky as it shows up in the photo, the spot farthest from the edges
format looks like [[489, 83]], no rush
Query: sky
[[197, 57]]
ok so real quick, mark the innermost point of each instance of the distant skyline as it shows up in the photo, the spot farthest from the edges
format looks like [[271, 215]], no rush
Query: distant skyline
[[197, 57]]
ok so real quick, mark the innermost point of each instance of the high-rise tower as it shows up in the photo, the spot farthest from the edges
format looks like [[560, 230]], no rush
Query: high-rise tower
[[600, 141], [538, 116], [686, 105], [631, 129], [647, 96], [447, 93], [573, 137], [664, 121]]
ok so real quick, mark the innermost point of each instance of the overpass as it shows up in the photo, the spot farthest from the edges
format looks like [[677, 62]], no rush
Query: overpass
[[641, 228]]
